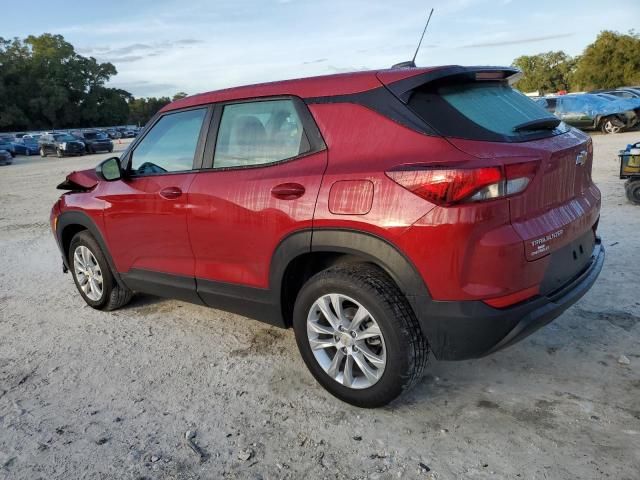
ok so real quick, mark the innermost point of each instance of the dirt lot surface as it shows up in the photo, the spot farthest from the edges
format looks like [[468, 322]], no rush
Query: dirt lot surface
[[86, 394]]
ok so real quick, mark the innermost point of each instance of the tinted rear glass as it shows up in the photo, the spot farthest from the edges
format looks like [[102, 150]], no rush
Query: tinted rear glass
[[479, 111], [496, 107]]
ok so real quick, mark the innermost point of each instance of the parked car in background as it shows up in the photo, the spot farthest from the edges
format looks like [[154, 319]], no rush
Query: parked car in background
[[60, 144], [5, 157], [33, 136], [113, 133], [126, 132], [591, 112], [6, 143], [383, 215], [94, 141], [26, 146], [622, 92]]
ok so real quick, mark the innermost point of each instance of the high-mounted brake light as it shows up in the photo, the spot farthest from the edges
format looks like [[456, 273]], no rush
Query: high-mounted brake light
[[448, 186]]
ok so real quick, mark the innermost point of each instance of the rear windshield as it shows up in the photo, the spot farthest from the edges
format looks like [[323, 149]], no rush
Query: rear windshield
[[479, 111]]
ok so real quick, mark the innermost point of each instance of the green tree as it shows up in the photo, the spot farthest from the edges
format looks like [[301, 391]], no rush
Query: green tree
[[180, 96], [142, 109], [613, 60], [45, 83], [546, 72]]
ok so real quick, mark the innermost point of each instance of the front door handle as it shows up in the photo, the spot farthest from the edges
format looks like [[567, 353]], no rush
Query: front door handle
[[170, 193], [288, 191]]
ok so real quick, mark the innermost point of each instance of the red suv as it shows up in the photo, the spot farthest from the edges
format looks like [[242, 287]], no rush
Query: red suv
[[381, 214]]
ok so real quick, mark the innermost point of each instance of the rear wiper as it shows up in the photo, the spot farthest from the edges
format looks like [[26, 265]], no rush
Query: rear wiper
[[548, 123]]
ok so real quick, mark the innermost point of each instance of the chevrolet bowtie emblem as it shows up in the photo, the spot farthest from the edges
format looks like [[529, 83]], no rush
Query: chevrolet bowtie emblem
[[581, 158]]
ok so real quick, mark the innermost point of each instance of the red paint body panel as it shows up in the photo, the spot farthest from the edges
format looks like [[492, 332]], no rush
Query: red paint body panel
[[83, 178], [562, 196], [236, 224], [339, 84], [145, 230], [351, 197]]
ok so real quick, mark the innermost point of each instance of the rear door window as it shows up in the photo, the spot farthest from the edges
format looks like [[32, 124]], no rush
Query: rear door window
[[258, 133]]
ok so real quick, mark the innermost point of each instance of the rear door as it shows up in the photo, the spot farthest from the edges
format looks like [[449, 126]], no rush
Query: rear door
[[265, 160]]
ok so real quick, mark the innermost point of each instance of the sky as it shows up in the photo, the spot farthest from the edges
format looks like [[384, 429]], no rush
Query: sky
[[161, 47]]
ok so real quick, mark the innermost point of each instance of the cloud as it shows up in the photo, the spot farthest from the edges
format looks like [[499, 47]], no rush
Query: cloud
[[145, 88], [125, 58], [137, 51], [517, 41], [319, 60]]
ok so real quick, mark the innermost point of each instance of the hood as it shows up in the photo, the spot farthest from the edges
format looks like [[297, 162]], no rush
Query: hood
[[82, 180]]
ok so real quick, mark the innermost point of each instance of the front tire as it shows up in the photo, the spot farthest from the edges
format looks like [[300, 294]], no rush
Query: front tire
[[358, 335], [59, 153], [43, 153], [92, 275]]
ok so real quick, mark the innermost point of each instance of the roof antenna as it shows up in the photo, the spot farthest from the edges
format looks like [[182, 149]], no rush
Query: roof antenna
[[412, 63]]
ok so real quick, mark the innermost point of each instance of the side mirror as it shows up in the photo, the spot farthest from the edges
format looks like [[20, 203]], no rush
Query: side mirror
[[109, 170]]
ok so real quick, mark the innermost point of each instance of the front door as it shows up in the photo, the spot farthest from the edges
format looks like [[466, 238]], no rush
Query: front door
[[146, 212]]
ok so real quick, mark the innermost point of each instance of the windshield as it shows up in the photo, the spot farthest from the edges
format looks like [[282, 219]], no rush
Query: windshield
[[64, 138]]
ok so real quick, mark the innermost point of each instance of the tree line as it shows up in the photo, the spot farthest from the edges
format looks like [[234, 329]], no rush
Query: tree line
[[45, 83], [611, 61]]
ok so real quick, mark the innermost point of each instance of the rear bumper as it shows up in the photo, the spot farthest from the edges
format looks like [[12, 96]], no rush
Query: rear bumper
[[472, 329]]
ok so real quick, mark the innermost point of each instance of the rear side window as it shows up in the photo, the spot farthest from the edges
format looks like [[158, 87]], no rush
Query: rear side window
[[170, 145], [258, 133], [478, 110]]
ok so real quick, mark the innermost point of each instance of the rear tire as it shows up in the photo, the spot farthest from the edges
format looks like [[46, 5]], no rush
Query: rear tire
[[59, 153], [92, 275], [27, 152], [400, 349], [632, 188]]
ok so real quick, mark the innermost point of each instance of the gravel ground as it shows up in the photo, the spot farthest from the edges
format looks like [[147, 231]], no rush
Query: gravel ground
[[86, 394]]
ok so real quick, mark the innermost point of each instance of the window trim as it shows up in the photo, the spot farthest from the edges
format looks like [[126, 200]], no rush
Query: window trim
[[127, 157], [309, 128]]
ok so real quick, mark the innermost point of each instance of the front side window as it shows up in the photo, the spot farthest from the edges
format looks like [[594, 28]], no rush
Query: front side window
[[170, 145], [259, 133]]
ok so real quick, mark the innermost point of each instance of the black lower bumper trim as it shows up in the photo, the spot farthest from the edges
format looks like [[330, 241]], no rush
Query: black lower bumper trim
[[463, 330]]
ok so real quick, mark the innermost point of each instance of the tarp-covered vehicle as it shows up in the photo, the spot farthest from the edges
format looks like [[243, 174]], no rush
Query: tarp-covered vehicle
[[591, 112]]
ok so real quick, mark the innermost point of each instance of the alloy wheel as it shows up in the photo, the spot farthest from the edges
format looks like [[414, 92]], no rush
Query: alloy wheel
[[610, 127], [346, 341], [88, 273]]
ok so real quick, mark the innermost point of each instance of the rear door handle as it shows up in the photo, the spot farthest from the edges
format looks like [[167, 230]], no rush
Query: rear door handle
[[288, 191], [169, 193]]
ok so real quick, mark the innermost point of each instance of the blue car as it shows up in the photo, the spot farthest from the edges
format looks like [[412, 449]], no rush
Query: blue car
[[592, 112], [6, 144], [26, 146]]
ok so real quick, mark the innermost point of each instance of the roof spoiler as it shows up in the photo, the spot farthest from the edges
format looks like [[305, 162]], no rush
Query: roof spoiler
[[403, 88]]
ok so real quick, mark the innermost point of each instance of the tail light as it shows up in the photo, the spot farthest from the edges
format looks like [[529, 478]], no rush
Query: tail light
[[448, 186]]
